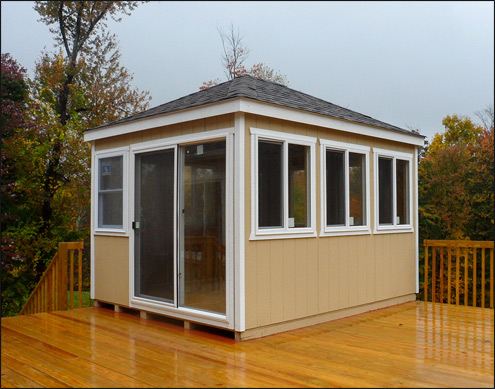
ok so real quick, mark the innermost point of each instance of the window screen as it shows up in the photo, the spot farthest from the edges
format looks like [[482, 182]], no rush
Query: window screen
[[270, 191], [385, 188], [335, 161], [110, 193], [402, 188]]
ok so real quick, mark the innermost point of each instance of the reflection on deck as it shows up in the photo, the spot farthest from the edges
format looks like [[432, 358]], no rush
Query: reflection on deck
[[416, 344]]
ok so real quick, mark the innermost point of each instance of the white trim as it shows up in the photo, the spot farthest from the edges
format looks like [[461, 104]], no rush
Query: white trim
[[416, 215], [254, 107], [207, 111], [162, 143], [109, 153], [283, 136], [285, 232], [174, 309], [309, 118], [394, 227], [229, 231], [239, 225], [92, 222], [346, 148], [181, 312]]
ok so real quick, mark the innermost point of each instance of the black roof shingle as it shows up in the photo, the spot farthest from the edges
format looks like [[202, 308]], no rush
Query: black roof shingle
[[260, 90]]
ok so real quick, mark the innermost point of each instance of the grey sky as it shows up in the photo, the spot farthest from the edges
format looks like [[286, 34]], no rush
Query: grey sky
[[406, 63]]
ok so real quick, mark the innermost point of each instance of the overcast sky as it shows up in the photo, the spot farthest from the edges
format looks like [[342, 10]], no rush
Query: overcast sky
[[406, 63]]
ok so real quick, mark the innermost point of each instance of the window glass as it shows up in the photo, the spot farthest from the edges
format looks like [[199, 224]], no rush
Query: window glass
[[385, 188], [298, 186], [110, 193], [335, 166], [270, 190], [357, 185], [402, 188]]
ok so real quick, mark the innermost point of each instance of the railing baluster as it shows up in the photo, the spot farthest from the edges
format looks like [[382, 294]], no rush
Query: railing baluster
[[474, 275], [441, 274], [433, 273], [457, 260], [80, 277], [483, 291], [449, 279], [491, 277], [466, 276], [71, 279], [426, 273]]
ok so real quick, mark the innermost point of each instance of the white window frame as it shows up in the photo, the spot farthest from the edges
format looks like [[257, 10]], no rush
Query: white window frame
[[394, 227], [285, 232], [347, 148], [109, 153]]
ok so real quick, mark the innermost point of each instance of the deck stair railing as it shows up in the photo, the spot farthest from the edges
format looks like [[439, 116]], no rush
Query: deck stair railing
[[459, 272], [51, 293]]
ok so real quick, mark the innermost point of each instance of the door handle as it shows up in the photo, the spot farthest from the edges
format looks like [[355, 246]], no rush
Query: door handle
[[135, 225]]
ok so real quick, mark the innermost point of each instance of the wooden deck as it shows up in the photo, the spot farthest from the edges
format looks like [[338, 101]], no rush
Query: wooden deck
[[415, 344]]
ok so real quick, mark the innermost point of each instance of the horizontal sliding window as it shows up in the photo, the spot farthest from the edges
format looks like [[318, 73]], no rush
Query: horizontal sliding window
[[393, 190], [284, 186], [345, 188]]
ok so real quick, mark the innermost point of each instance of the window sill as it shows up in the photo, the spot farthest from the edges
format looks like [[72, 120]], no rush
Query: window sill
[[110, 232], [393, 230], [264, 235], [345, 232]]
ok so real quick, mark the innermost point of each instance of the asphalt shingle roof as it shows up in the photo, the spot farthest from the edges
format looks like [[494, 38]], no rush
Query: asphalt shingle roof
[[260, 90]]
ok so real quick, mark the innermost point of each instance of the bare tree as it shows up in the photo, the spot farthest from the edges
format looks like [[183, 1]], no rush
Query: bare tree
[[234, 53], [486, 116], [233, 58]]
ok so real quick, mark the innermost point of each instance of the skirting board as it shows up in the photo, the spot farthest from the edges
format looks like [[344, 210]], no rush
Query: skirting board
[[324, 317]]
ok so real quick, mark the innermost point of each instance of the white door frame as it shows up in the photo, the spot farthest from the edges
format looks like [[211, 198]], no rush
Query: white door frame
[[219, 320]]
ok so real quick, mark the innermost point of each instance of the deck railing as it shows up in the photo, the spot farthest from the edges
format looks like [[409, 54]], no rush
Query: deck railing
[[51, 293], [459, 272]]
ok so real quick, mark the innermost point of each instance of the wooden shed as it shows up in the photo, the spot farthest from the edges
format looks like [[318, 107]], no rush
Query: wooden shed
[[253, 207]]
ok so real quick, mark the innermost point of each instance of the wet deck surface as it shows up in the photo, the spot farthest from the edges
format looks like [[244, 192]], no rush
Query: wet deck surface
[[415, 344]]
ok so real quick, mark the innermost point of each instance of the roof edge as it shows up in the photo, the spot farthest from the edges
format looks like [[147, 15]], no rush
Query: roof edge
[[251, 106]]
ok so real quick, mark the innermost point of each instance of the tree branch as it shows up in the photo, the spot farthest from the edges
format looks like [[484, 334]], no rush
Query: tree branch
[[62, 27]]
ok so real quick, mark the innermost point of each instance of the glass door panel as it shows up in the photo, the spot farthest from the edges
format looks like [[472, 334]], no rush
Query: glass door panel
[[202, 227], [154, 226]]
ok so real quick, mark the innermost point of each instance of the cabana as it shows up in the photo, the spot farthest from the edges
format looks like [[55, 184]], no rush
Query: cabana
[[255, 208]]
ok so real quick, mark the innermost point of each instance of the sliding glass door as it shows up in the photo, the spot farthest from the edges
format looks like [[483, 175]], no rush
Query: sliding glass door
[[202, 226], [179, 226], [154, 226]]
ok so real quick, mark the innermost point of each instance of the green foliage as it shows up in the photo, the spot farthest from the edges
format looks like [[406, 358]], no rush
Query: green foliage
[[46, 191], [456, 185]]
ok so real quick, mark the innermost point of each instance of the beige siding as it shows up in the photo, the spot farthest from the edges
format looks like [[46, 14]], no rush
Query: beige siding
[[218, 122], [287, 279], [112, 269]]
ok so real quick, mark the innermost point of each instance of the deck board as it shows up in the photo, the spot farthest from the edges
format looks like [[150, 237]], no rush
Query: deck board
[[414, 344]]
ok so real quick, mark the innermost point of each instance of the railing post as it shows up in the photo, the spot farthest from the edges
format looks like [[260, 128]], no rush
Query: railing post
[[62, 285]]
